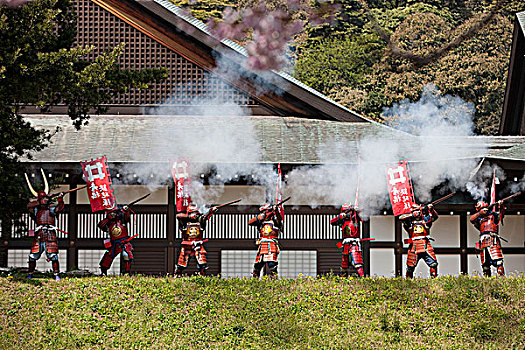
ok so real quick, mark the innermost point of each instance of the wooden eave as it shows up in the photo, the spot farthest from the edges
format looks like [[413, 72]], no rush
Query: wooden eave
[[513, 118], [199, 47]]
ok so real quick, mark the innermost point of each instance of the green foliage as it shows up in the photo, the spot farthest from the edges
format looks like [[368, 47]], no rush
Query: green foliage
[[39, 66], [476, 71], [328, 312], [335, 63]]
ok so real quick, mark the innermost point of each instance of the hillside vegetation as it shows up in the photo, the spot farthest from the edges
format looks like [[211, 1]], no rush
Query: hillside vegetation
[[200, 313], [349, 61]]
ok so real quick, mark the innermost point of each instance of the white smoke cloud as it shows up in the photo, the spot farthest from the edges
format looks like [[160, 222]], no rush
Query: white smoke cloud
[[440, 153]]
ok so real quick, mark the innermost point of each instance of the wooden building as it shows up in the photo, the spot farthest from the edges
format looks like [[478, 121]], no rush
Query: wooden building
[[282, 110]]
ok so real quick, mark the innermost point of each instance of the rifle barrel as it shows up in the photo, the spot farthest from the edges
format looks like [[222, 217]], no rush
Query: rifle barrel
[[284, 200], [443, 198], [229, 203], [139, 199]]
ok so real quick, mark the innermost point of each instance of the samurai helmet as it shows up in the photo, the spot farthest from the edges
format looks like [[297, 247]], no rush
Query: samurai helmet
[[416, 210], [346, 207], [265, 207], [191, 208], [41, 193], [480, 205]]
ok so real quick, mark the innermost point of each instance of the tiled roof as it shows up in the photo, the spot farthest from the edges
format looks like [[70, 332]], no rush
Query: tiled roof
[[289, 140]]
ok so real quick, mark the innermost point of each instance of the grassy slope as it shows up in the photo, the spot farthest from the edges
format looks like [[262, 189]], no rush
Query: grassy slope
[[161, 313]]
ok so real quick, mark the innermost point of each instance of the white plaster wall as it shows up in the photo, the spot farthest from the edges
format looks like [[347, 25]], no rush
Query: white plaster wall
[[382, 228], [382, 262], [445, 231]]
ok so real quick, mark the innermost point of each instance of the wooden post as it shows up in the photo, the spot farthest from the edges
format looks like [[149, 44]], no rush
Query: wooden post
[[171, 225], [398, 250], [366, 246], [463, 243], [72, 226]]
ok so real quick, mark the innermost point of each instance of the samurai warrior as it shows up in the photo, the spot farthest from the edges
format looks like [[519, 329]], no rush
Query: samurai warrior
[[417, 223], [192, 225], [44, 212], [489, 245], [269, 223], [349, 221], [115, 223]]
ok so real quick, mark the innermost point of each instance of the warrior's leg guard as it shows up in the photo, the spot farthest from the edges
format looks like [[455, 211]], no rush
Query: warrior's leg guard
[[344, 271], [257, 267], [272, 265], [178, 270], [501, 270], [56, 269], [31, 269], [410, 271], [360, 271], [433, 272], [127, 267], [202, 269], [486, 271], [103, 271]]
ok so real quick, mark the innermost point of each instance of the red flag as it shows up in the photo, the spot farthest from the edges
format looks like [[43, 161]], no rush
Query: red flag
[[400, 188], [279, 190], [181, 178], [98, 179], [493, 188]]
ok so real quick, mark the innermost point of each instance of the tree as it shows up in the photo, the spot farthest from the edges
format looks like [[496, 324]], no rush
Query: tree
[[39, 66]]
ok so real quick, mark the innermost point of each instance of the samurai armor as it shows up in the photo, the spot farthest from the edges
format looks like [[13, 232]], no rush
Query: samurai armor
[[268, 250], [419, 246], [187, 251]]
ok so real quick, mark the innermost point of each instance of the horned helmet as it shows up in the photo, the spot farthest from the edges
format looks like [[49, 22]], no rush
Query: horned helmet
[[480, 205], [42, 196], [265, 207]]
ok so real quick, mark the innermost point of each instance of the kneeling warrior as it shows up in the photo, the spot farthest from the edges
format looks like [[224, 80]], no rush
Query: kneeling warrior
[[349, 221], [192, 225], [489, 245], [269, 223], [44, 212], [119, 241], [417, 224]]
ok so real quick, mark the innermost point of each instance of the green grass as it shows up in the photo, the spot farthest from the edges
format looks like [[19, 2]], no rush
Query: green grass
[[202, 313]]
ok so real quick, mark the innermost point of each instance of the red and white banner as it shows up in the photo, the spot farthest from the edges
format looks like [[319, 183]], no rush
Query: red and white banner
[[181, 178], [493, 188], [400, 188], [279, 190], [98, 179]]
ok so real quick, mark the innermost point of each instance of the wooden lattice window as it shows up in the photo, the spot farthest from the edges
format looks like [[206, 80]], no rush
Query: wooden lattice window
[[186, 82]]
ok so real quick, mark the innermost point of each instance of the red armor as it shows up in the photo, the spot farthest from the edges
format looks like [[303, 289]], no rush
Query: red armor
[[417, 224], [489, 243], [349, 221], [269, 224], [192, 225], [115, 224], [44, 213]]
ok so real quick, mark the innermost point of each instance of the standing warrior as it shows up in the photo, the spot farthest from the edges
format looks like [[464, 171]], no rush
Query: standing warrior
[[489, 245], [115, 224], [269, 223], [349, 221], [417, 223], [192, 225], [44, 212]]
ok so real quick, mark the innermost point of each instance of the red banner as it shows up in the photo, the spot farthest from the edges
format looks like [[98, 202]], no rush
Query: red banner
[[181, 178], [493, 188], [98, 179], [400, 188]]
